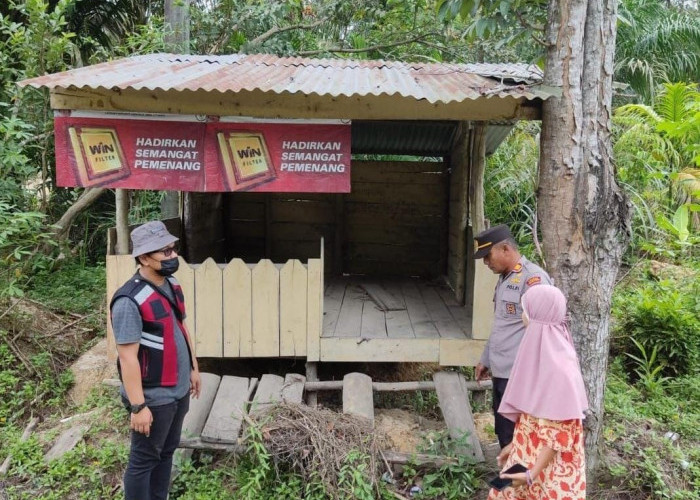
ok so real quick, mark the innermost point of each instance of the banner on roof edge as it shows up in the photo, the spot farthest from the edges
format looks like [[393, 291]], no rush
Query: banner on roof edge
[[181, 154]]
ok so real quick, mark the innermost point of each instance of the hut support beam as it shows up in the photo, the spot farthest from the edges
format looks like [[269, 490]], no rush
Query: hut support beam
[[122, 215]]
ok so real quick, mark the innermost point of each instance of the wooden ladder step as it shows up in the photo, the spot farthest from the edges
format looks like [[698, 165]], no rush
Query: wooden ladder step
[[226, 415], [293, 389], [358, 398], [200, 407], [453, 397], [269, 392]]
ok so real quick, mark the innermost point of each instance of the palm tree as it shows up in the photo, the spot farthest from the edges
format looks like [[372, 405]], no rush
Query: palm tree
[[656, 43], [657, 153]]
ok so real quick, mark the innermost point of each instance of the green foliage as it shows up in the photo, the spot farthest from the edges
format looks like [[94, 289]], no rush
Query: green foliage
[[656, 42], [41, 44], [85, 472], [647, 370], [70, 287], [510, 23], [24, 394], [646, 459], [202, 481], [509, 183], [655, 148], [353, 477], [361, 29], [22, 234], [456, 479], [662, 317]]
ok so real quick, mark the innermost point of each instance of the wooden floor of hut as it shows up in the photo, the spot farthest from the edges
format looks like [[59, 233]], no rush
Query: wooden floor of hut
[[356, 307]]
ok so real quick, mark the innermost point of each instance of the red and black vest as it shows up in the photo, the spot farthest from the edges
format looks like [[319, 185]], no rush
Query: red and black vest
[[157, 350]]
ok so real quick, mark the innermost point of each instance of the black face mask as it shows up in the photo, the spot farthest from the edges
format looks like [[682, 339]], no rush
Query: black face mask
[[168, 266]]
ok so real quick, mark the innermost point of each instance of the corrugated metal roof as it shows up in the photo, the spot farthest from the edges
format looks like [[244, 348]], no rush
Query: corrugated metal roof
[[443, 83], [419, 138]]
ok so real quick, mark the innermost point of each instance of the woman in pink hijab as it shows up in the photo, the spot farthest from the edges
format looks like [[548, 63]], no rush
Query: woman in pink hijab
[[546, 399]]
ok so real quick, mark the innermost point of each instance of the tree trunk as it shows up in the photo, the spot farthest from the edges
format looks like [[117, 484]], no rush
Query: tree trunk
[[87, 198], [177, 39], [583, 213]]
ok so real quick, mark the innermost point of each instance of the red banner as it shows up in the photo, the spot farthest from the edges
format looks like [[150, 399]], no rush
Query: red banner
[[182, 154]]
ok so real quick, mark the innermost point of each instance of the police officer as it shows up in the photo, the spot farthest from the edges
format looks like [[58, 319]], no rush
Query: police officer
[[500, 253]]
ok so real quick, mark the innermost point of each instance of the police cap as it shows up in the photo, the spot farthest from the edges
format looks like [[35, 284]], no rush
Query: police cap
[[485, 240]]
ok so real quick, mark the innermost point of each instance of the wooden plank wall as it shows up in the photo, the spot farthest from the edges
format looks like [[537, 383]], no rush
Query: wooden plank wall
[[393, 222], [396, 219], [279, 226]]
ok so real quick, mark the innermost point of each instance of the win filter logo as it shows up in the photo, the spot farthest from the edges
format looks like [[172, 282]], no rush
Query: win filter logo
[[98, 155], [246, 160]]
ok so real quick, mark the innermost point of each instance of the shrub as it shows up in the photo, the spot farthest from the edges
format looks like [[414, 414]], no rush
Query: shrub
[[663, 316]]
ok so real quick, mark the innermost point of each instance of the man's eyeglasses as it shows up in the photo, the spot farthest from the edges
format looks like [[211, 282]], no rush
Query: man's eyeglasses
[[167, 251]]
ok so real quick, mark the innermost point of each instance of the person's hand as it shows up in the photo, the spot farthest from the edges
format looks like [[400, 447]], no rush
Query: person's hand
[[195, 383], [503, 455], [141, 421], [481, 372], [519, 479]]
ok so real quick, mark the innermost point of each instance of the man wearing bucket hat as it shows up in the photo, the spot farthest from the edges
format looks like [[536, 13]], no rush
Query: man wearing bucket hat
[[156, 362], [500, 252]]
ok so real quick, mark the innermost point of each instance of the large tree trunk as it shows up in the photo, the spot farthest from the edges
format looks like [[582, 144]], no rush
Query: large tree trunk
[[583, 214], [177, 40]]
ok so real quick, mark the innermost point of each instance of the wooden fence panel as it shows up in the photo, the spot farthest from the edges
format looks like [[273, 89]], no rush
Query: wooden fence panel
[[243, 310], [293, 290], [119, 269], [208, 310], [185, 276], [266, 324], [315, 309], [237, 304]]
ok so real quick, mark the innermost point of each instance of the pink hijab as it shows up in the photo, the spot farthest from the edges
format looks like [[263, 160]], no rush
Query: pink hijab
[[546, 380]]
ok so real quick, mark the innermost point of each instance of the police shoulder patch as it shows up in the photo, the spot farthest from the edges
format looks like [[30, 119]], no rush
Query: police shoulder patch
[[535, 280]]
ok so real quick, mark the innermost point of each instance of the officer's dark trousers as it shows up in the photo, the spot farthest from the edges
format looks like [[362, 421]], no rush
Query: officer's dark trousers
[[147, 475], [504, 427]]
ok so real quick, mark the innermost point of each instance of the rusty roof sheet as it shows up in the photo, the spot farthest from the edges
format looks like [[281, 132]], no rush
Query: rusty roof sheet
[[326, 77]]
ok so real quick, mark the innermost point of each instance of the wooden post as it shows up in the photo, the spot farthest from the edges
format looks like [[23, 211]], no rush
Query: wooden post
[[477, 164], [312, 376], [122, 215], [458, 209], [340, 236]]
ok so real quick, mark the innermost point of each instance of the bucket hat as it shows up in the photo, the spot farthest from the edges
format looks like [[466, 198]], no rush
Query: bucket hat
[[150, 237]]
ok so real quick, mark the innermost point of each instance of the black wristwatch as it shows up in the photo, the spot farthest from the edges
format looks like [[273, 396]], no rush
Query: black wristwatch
[[137, 408]]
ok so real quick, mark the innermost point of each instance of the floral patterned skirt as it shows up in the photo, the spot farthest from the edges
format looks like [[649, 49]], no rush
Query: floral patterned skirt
[[565, 476]]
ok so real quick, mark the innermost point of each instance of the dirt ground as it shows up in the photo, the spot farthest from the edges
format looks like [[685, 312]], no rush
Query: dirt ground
[[407, 431]]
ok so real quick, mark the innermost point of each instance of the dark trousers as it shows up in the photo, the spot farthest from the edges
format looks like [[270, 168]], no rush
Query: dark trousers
[[504, 427], [147, 475]]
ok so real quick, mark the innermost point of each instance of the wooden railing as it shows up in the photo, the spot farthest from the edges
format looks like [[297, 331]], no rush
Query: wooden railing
[[242, 310]]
